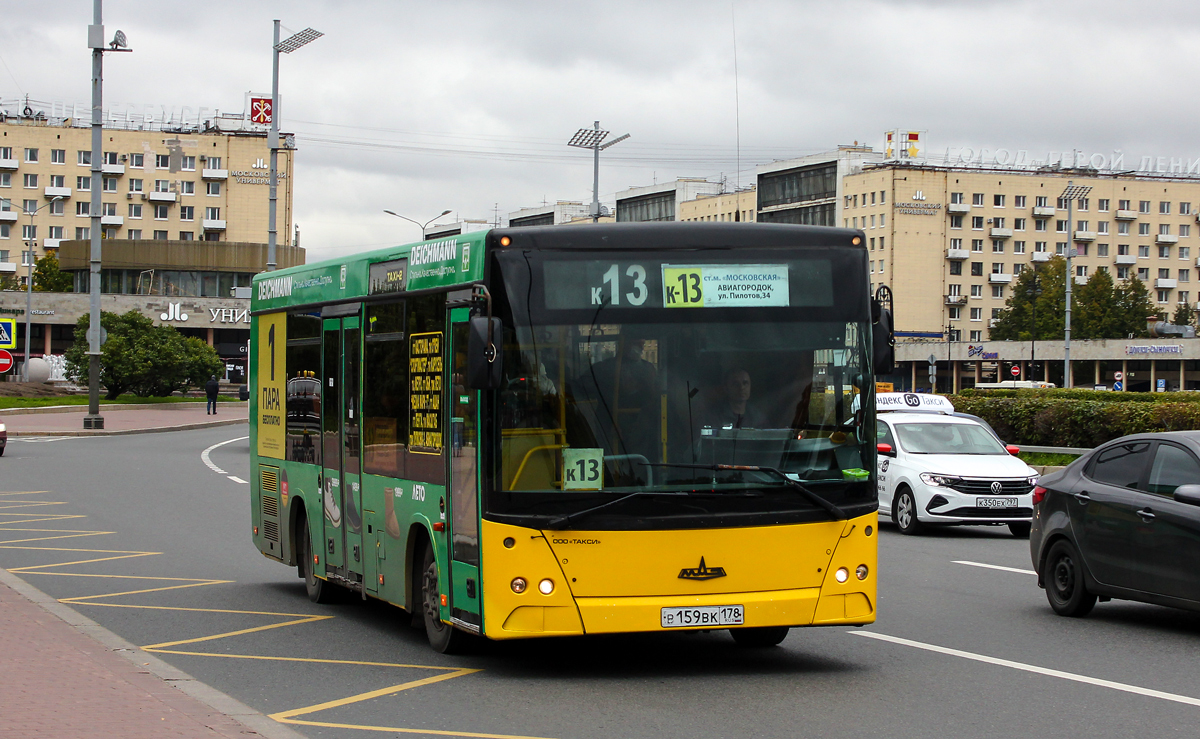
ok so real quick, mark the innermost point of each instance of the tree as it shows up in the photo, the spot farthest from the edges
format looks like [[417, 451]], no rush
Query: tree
[[48, 278], [1133, 307], [1037, 293], [10, 282], [139, 357], [1183, 315], [1100, 309]]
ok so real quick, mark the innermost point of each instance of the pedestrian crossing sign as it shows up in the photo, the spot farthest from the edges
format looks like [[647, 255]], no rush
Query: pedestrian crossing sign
[[8, 333]]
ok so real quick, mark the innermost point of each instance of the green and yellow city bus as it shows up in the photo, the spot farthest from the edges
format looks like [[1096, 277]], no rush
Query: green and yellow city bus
[[558, 431]]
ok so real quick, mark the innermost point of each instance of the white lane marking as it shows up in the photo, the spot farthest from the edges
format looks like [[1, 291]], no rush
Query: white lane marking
[[208, 461], [235, 478], [1124, 687], [994, 567]]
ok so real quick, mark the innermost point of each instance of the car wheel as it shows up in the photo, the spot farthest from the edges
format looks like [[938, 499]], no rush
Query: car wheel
[[1063, 576], [319, 590], [904, 512], [1020, 530], [759, 636], [442, 636]]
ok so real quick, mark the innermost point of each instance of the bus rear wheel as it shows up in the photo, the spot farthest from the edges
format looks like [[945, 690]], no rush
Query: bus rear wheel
[[759, 636], [442, 636]]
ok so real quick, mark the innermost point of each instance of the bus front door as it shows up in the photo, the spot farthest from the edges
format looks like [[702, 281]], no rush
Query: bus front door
[[341, 453], [464, 482]]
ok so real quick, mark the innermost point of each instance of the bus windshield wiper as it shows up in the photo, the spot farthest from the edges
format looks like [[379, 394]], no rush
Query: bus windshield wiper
[[832, 509], [565, 520]]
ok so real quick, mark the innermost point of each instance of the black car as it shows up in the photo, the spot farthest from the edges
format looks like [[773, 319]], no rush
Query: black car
[[1122, 521]]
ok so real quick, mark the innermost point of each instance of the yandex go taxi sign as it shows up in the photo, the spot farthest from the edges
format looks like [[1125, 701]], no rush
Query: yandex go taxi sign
[[912, 402]]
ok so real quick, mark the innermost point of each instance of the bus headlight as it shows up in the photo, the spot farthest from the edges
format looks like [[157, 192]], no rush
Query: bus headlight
[[519, 585], [861, 572], [842, 575], [546, 586]]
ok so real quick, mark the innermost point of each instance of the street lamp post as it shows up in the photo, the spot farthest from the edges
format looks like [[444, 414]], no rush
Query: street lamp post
[[29, 255], [93, 419], [1035, 287], [420, 225], [287, 46], [590, 138], [1070, 194]]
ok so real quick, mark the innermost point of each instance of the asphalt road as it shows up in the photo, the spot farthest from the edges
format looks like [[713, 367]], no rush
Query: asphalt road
[[140, 534]]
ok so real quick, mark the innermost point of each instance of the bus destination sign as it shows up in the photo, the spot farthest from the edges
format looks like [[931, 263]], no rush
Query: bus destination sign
[[388, 277], [725, 286]]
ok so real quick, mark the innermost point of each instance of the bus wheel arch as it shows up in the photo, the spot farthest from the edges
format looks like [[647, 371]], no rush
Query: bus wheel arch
[[414, 551], [297, 517]]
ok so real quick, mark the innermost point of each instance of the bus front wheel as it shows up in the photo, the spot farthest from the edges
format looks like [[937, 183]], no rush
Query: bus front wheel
[[319, 591], [442, 636], [759, 636]]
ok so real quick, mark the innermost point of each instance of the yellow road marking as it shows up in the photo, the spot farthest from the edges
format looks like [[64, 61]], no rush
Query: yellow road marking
[[290, 716], [78, 535], [46, 517], [32, 505], [25, 492], [399, 730], [239, 632], [139, 592], [129, 555], [360, 663], [372, 694]]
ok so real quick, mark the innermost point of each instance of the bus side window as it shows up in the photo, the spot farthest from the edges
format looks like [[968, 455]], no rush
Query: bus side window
[[425, 334], [303, 360], [385, 390]]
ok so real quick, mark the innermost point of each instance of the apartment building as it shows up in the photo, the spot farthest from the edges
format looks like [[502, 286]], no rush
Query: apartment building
[[968, 232], [662, 201], [808, 189], [158, 182], [739, 206]]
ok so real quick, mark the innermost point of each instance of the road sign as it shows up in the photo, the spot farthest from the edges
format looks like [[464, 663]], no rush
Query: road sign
[[8, 333], [1118, 386], [1015, 371], [932, 360], [1118, 376], [1162, 385], [103, 335], [6, 361]]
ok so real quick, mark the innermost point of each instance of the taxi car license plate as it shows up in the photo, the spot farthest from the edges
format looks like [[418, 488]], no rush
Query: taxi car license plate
[[703, 616], [995, 502]]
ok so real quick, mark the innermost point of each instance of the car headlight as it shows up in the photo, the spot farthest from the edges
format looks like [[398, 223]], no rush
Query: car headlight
[[939, 481], [2, 427], [1031, 481]]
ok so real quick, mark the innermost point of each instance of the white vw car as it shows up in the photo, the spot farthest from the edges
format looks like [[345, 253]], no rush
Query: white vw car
[[939, 468]]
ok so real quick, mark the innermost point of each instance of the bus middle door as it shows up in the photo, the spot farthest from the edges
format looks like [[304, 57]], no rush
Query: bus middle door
[[464, 461], [341, 453]]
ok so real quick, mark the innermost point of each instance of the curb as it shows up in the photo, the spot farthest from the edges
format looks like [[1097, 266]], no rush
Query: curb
[[116, 407], [125, 432], [211, 697]]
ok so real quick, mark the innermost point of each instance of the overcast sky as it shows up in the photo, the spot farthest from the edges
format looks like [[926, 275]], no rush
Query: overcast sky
[[467, 106]]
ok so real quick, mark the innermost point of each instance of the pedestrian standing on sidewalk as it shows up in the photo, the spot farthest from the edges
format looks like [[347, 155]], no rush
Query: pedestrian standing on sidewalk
[[211, 389]]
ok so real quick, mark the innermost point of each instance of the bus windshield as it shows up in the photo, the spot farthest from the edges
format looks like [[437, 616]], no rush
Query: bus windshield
[[656, 401]]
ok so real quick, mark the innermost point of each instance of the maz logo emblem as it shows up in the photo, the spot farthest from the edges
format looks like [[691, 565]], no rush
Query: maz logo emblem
[[702, 572], [997, 488], [173, 313]]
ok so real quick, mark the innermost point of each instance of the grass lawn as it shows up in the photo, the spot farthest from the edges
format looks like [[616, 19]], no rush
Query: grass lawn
[[1040, 458], [6, 402]]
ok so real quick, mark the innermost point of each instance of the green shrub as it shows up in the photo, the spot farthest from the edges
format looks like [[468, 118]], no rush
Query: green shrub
[[1078, 418]]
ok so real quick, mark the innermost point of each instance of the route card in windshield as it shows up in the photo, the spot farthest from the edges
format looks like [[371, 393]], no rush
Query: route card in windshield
[[725, 285]]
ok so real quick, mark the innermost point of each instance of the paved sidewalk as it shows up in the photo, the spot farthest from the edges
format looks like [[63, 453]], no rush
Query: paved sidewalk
[[125, 420], [61, 682]]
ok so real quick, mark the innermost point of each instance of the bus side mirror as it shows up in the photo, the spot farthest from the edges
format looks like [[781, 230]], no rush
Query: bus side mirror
[[883, 343], [485, 367]]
